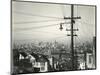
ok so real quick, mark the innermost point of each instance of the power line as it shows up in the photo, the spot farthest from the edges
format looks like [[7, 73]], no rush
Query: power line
[[79, 39], [37, 27], [30, 14], [31, 28], [49, 32], [85, 23], [86, 32], [26, 22]]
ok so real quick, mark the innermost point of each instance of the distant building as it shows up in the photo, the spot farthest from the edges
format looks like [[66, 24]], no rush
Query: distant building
[[94, 52], [91, 56], [89, 60]]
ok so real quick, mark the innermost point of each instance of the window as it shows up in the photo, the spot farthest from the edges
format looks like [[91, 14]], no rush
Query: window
[[42, 68], [90, 59], [42, 63]]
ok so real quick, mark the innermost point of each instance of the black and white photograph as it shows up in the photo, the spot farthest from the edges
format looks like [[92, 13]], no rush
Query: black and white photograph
[[52, 37]]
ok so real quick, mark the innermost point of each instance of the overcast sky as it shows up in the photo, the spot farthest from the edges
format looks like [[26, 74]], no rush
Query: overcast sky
[[41, 21]]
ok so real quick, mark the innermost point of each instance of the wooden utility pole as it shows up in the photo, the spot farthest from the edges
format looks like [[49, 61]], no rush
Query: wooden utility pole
[[72, 36], [72, 18]]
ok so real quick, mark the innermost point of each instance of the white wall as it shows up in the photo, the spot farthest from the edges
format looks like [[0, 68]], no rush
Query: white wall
[[5, 37]]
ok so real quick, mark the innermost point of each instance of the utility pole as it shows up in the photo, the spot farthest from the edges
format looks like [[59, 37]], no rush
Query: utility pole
[[72, 35], [72, 18]]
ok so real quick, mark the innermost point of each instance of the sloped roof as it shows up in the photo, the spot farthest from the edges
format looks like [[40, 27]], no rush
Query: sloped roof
[[40, 57], [23, 53], [35, 55]]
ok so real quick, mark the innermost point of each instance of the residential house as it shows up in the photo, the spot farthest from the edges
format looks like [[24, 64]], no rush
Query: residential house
[[22, 55], [41, 63], [53, 63]]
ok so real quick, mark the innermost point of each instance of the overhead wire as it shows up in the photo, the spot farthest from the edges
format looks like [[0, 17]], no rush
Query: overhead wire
[[27, 22], [84, 22], [78, 39], [49, 32], [38, 27], [87, 33], [30, 14], [64, 13], [84, 31]]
